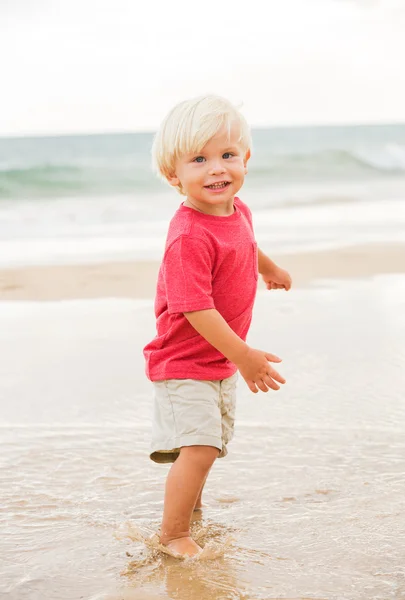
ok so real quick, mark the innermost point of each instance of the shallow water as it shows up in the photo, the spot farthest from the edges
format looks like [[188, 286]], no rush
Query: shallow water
[[312, 492]]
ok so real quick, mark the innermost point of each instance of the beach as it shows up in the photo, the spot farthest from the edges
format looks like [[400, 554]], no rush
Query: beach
[[132, 279], [309, 502]]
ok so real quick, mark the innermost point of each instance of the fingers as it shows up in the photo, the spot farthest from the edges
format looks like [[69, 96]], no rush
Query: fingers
[[267, 383], [264, 384], [272, 357], [270, 383], [277, 286], [252, 386], [273, 374], [264, 377]]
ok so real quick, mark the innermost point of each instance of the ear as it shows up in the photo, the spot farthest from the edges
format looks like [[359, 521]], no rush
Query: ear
[[173, 180], [247, 156]]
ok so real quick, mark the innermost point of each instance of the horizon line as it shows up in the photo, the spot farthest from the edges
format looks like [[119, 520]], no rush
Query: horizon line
[[10, 136]]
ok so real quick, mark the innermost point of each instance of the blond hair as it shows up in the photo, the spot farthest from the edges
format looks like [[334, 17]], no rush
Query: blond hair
[[189, 126]]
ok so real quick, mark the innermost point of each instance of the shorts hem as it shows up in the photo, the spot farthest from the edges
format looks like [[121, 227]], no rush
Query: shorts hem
[[169, 450]]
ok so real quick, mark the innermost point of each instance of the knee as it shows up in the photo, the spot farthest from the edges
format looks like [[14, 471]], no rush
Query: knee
[[203, 457]]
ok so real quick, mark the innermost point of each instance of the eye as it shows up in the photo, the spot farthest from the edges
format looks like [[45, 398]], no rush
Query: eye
[[198, 159], [227, 155]]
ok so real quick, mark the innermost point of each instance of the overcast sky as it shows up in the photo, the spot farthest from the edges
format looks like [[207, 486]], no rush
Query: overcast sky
[[72, 66]]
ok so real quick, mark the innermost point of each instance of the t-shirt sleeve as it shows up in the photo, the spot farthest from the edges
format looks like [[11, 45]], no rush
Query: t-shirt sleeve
[[187, 272]]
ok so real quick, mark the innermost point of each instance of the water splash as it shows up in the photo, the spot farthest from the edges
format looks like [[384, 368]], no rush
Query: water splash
[[211, 549]]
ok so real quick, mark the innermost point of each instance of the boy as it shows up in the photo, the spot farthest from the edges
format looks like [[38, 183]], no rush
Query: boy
[[205, 293]]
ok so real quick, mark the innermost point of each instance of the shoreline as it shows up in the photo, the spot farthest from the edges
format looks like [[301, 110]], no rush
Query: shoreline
[[138, 279]]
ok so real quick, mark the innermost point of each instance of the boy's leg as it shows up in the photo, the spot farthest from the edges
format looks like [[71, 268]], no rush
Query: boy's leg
[[183, 485], [198, 503]]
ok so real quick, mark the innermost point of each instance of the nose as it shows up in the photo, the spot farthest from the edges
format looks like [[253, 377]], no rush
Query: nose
[[216, 168]]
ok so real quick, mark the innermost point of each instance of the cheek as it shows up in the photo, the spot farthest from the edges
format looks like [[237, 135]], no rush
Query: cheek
[[239, 171], [187, 176], [238, 166]]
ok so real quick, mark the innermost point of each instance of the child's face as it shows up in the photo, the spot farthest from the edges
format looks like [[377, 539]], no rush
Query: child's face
[[212, 178]]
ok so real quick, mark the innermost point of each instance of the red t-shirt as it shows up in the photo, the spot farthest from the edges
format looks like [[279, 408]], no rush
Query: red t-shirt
[[209, 262]]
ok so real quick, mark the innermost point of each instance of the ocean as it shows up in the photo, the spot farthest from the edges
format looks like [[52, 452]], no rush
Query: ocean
[[90, 198]]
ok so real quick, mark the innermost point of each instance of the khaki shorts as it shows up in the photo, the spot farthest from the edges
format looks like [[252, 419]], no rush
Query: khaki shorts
[[191, 412]]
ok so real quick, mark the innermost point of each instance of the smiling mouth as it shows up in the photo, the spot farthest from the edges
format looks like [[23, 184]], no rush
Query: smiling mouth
[[218, 186]]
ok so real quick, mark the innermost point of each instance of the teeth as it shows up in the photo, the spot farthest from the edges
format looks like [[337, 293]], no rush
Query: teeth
[[218, 185]]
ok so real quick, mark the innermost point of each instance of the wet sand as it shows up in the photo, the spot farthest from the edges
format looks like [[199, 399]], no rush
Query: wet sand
[[312, 491], [138, 279]]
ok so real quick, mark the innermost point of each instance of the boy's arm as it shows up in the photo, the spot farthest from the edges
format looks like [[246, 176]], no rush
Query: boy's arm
[[213, 327], [265, 264], [274, 277], [253, 364]]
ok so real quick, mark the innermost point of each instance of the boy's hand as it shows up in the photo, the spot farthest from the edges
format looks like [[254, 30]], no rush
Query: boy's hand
[[278, 279], [257, 372]]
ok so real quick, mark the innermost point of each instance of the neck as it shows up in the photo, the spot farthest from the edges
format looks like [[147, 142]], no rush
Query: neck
[[216, 211]]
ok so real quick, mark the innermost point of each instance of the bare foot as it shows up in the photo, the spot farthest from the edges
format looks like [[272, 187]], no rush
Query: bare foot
[[198, 506], [184, 546]]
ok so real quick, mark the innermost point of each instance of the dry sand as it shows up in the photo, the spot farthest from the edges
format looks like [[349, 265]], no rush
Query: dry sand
[[138, 279]]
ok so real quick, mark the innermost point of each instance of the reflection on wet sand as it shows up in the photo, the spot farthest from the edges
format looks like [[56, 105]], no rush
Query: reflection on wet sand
[[186, 580]]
